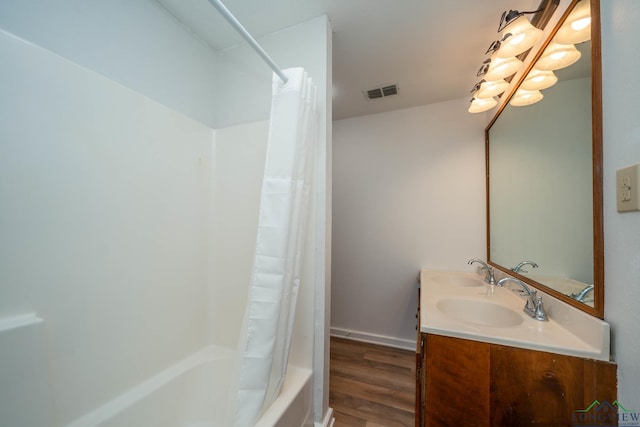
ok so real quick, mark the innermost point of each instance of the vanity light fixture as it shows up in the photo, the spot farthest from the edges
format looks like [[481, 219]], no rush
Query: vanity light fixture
[[577, 27], [497, 68], [557, 56], [478, 105], [493, 70], [518, 35], [539, 79], [524, 97], [489, 89]]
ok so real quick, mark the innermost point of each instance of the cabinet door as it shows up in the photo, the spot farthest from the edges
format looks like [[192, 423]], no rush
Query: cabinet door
[[545, 389], [456, 376], [469, 383]]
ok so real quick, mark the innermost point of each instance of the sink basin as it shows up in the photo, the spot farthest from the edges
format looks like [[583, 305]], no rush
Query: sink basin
[[459, 304], [479, 312], [458, 281]]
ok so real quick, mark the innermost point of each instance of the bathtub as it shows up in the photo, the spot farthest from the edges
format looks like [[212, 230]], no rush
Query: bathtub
[[195, 393]]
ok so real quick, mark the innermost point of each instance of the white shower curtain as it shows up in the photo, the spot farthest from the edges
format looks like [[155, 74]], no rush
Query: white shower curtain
[[282, 221]]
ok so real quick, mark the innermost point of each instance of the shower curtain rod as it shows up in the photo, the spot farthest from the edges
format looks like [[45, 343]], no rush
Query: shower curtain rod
[[245, 34]]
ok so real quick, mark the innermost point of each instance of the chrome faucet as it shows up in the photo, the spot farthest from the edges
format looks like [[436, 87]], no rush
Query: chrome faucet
[[518, 268], [489, 277], [533, 306], [580, 296]]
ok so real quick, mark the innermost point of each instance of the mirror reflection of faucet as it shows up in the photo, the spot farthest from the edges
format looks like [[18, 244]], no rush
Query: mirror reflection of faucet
[[580, 296], [518, 268]]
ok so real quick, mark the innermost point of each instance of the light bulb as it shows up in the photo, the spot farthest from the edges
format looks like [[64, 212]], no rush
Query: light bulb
[[489, 89], [519, 36], [538, 80], [516, 40], [581, 24], [499, 68], [525, 97], [577, 27], [557, 56], [479, 105]]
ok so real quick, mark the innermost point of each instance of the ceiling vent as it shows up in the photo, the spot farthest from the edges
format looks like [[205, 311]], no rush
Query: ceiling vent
[[381, 92]]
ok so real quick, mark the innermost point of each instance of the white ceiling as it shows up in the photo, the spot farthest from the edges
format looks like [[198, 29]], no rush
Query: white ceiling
[[431, 48]]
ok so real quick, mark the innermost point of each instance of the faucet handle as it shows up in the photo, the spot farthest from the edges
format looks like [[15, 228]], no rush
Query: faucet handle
[[540, 313], [531, 306], [489, 276]]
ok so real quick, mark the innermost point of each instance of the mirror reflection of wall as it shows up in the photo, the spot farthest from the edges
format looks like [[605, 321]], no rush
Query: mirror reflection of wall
[[541, 194], [540, 177]]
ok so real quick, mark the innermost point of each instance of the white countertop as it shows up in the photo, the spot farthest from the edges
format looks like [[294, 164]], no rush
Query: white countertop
[[568, 331]]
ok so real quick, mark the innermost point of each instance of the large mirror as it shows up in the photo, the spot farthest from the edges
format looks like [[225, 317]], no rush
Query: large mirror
[[544, 179]]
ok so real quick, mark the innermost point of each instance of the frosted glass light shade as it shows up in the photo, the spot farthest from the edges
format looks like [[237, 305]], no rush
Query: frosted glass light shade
[[558, 56], [478, 105], [525, 97], [491, 88], [499, 68], [539, 79], [523, 36], [577, 26]]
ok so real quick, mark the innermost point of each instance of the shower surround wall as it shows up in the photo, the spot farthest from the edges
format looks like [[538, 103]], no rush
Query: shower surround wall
[[105, 198], [135, 43], [239, 166], [118, 230]]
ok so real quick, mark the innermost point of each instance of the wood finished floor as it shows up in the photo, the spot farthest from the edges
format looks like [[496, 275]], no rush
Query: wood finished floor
[[371, 385]]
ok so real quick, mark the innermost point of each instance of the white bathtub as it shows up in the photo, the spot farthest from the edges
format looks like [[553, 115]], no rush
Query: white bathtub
[[195, 393]]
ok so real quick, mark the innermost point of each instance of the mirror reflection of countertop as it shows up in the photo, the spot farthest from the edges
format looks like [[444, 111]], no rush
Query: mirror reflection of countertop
[[461, 305], [564, 285]]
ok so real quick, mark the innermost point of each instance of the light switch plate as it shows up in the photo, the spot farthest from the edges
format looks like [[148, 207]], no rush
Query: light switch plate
[[627, 190]]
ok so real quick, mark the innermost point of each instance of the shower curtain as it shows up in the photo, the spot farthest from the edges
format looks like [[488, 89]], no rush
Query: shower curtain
[[282, 221]]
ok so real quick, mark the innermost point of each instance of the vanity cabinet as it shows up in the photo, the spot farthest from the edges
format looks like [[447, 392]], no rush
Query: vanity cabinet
[[473, 383]]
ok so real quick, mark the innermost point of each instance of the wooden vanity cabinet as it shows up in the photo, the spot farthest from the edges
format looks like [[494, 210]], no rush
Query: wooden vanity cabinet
[[470, 383]]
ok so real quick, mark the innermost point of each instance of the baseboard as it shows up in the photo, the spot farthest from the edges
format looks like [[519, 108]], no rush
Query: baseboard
[[400, 343], [328, 419]]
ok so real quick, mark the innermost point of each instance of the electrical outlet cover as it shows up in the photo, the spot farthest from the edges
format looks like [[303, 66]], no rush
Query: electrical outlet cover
[[627, 190]]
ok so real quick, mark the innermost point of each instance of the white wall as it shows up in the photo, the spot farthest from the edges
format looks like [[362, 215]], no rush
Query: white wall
[[243, 75], [139, 44], [620, 62], [136, 43], [105, 194], [409, 192]]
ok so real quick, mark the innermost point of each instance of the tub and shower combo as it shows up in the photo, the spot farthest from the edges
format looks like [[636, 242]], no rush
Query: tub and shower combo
[[192, 393], [195, 393], [162, 273]]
